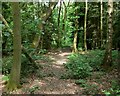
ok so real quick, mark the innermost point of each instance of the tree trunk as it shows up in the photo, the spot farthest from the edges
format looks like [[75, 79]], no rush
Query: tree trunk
[[44, 18], [14, 80], [11, 31], [75, 33], [107, 61], [101, 23], [85, 21], [59, 33], [75, 42], [118, 63], [64, 19]]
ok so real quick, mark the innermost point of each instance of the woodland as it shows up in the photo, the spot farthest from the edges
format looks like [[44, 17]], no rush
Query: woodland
[[60, 48]]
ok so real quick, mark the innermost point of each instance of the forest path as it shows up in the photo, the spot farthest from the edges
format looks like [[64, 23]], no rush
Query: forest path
[[48, 79], [52, 70]]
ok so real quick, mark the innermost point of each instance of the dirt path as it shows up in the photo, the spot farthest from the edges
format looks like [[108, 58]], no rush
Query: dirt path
[[51, 83], [49, 80]]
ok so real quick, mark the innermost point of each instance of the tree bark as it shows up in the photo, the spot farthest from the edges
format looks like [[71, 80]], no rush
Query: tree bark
[[75, 33], [85, 21], [107, 61], [118, 63], [59, 33], [14, 80], [101, 22], [44, 18], [64, 19]]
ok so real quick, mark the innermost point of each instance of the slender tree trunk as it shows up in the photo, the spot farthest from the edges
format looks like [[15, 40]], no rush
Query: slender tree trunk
[[107, 61], [75, 42], [59, 33], [94, 38], [118, 63], [75, 33], [85, 21], [64, 19], [14, 80], [101, 22]]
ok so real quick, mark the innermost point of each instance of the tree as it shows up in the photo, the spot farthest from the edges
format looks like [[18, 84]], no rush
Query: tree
[[107, 61], [118, 62], [85, 21], [44, 18], [59, 33], [101, 22], [14, 81], [76, 31], [23, 49]]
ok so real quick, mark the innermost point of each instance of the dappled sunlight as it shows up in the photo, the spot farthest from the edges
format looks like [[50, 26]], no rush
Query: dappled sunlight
[[83, 52], [65, 54], [59, 58], [60, 62], [37, 82], [56, 86], [56, 66]]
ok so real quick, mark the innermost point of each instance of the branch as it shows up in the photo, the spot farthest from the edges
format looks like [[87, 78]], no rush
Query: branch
[[23, 49], [5, 22]]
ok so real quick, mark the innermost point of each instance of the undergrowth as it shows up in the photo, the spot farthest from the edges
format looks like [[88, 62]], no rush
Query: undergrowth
[[26, 66], [82, 65]]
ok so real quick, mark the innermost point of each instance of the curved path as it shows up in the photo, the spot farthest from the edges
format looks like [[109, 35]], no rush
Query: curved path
[[51, 83], [48, 80]]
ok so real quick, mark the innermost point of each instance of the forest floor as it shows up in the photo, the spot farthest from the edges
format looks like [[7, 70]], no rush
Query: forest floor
[[48, 79]]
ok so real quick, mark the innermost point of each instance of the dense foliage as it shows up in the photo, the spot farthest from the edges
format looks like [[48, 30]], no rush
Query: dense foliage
[[88, 29], [82, 65], [78, 67]]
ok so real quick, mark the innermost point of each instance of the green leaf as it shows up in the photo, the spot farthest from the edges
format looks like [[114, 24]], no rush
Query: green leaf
[[5, 78]]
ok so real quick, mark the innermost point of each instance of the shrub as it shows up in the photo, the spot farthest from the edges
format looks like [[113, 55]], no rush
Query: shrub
[[26, 66], [78, 67], [94, 58], [6, 65], [81, 65]]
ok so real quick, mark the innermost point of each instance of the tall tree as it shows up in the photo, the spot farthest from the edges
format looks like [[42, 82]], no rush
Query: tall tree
[[44, 18], [85, 21], [14, 80], [64, 18], [76, 31], [107, 61], [101, 22], [118, 62], [59, 33]]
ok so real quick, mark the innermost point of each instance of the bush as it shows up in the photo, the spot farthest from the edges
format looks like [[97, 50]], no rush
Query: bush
[[81, 65], [95, 58], [78, 67], [26, 66], [6, 65]]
